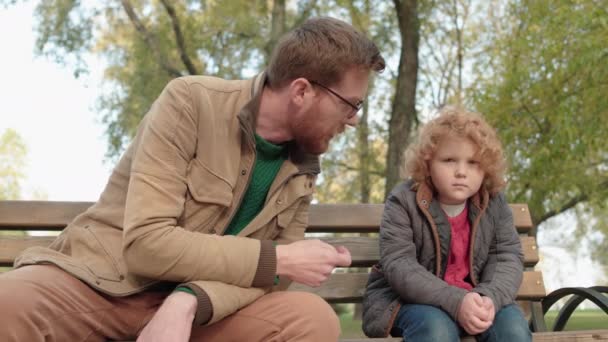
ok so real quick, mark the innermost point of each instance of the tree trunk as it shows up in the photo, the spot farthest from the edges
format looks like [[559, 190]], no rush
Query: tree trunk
[[364, 158], [277, 26], [459, 51], [404, 104], [364, 176]]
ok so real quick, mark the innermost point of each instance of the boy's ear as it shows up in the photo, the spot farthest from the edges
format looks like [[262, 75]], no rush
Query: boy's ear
[[427, 165]]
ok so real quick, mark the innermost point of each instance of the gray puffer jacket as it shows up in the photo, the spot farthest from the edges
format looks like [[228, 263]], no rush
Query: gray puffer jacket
[[414, 249]]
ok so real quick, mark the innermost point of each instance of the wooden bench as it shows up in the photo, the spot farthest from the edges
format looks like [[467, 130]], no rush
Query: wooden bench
[[338, 224]]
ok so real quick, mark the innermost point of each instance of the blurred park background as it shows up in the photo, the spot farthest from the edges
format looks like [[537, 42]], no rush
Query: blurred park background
[[79, 75]]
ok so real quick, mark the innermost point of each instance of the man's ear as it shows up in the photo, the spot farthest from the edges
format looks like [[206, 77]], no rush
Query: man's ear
[[299, 91]]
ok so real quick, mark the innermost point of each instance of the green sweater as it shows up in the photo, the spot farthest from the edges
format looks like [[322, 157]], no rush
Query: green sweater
[[268, 161]]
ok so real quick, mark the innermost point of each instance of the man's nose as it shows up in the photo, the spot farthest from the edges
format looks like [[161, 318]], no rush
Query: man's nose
[[352, 121]]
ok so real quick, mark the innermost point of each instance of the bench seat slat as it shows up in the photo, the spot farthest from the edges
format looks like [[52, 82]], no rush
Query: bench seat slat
[[561, 336]]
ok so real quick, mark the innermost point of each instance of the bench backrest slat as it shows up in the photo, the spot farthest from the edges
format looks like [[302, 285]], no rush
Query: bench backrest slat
[[361, 218], [39, 215], [334, 218]]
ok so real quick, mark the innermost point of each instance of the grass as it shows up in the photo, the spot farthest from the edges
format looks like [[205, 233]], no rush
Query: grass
[[350, 328], [580, 320]]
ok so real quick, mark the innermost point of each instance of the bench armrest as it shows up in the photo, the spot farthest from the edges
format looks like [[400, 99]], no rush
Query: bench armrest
[[596, 294]]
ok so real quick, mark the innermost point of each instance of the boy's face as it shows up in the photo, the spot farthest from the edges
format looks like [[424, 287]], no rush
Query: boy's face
[[455, 170]]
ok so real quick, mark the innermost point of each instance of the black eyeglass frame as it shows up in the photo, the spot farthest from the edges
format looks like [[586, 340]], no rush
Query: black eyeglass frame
[[356, 107]]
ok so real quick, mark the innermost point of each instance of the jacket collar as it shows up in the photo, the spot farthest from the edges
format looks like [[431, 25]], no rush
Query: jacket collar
[[305, 162]]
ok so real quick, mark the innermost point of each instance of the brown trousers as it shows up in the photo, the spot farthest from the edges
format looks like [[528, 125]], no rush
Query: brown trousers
[[44, 303]]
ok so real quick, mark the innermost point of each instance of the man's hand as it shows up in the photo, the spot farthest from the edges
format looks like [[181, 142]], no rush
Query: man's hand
[[473, 314], [310, 262], [172, 321]]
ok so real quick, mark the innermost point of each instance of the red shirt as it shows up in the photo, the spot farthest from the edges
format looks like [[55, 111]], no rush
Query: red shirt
[[458, 260]]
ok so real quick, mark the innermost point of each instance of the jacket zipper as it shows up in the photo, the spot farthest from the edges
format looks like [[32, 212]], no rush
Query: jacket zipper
[[242, 194]]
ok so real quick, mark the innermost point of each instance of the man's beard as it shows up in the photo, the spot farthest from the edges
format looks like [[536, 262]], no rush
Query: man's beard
[[314, 146], [309, 138]]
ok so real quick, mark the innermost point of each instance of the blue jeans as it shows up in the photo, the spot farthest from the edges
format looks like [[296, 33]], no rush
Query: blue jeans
[[428, 323]]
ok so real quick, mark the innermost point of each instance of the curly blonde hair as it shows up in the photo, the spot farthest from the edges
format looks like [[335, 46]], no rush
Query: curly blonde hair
[[458, 122]]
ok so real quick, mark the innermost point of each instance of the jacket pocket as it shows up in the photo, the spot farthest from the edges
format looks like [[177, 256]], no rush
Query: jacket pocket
[[209, 194], [87, 245]]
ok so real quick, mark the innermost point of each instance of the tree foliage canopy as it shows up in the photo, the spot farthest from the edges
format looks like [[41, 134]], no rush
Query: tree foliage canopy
[[547, 99], [12, 162]]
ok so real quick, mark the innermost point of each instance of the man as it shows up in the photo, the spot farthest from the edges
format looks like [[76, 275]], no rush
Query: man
[[203, 217]]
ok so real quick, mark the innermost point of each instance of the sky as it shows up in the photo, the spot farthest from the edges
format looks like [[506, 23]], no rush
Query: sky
[[54, 114]]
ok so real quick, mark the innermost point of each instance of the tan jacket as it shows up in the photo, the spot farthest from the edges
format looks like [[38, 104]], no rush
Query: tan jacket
[[161, 217]]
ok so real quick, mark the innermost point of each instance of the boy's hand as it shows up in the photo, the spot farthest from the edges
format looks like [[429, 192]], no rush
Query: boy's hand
[[473, 314], [488, 304]]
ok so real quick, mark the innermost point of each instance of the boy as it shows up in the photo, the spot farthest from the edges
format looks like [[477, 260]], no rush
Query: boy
[[450, 257]]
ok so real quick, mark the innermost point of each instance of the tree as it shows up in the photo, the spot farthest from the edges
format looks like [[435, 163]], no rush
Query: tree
[[13, 153], [12, 162], [353, 168], [383, 132], [403, 111], [547, 97], [147, 43], [449, 37], [536, 69], [506, 58]]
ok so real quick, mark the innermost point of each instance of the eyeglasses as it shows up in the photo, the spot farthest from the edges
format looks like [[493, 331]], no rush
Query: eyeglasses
[[355, 107]]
